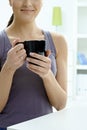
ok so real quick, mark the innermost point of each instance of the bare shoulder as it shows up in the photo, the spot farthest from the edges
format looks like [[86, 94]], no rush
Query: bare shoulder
[[59, 42]]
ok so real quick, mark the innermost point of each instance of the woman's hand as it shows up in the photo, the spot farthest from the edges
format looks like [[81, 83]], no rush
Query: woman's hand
[[39, 64], [16, 56]]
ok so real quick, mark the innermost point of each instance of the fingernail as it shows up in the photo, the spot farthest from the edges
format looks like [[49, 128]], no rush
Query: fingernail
[[31, 53]]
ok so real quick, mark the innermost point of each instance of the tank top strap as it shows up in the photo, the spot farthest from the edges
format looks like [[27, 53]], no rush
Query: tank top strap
[[49, 42]]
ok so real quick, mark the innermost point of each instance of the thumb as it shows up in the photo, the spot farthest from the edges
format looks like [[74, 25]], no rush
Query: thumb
[[47, 53], [15, 42]]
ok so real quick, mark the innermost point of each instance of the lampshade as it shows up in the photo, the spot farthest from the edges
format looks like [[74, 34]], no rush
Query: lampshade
[[57, 16]]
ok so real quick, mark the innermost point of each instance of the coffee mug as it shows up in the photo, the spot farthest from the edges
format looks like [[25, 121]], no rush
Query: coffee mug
[[37, 46]]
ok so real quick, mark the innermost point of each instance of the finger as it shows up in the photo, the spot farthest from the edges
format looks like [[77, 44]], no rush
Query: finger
[[38, 56], [15, 42], [22, 53], [47, 53], [19, 47], [41, 63], [19, 62], [37, 69]]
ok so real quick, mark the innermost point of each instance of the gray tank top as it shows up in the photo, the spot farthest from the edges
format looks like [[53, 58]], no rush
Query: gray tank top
[[28, 98]]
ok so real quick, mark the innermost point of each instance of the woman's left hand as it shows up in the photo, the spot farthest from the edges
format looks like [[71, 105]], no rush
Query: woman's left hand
[[40, 64]]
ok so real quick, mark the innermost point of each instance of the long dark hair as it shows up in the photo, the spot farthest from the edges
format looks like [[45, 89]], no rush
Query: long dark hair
[[10, 20]]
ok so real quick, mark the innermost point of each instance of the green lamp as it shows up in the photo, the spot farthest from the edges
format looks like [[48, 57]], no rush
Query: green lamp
[[57, 16]]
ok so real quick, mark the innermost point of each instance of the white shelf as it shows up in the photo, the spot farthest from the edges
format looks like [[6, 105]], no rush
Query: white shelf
[[82, 20], [82, 4], [82, 36], [81, 67]]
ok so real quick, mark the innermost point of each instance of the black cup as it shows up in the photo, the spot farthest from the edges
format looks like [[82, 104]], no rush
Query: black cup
[[37, 46]]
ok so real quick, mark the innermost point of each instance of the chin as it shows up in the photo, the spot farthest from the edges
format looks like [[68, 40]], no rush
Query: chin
[[27, 20]]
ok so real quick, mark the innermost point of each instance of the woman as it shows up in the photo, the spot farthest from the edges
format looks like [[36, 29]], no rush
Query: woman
[[28, 91]]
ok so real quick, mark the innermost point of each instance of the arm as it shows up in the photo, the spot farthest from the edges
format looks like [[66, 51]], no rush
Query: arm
[[56, 88], [6, 76], [12, 63]]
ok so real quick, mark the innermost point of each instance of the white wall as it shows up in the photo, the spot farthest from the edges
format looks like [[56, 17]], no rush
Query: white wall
[[5, 13], [45, 17]]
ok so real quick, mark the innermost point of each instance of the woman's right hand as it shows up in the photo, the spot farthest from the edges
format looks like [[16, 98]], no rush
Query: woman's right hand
[[16, 56]]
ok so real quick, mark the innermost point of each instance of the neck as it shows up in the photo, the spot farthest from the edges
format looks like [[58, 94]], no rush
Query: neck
[[25, 31], [25, 27]]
